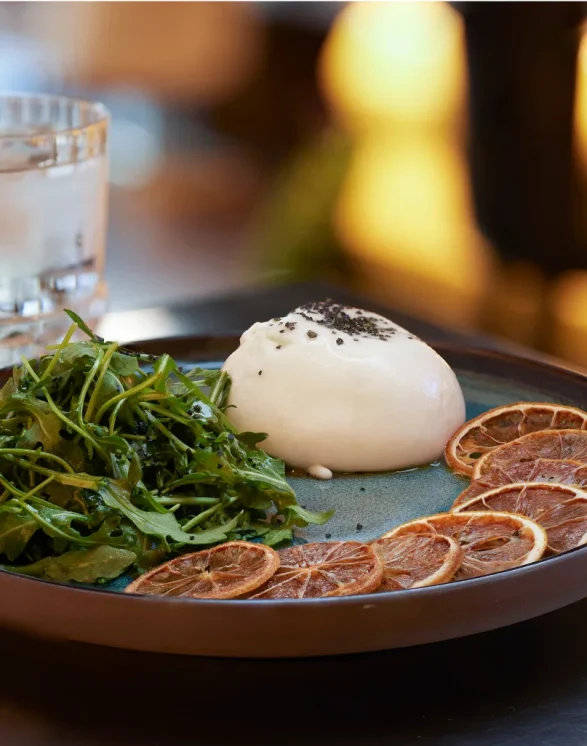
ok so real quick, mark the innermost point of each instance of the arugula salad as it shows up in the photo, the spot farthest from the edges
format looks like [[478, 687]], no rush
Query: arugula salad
[[112, 461]]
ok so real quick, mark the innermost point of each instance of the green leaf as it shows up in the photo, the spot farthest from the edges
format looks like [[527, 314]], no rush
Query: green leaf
[[16, 529], [45, 430], [132, 477], [298, 516], [72, 452], [82, 325], [57, 522], [46, 426], [73, 354], [124, 365], [277, 536], [81, 565], [164, 525], [252, 439]]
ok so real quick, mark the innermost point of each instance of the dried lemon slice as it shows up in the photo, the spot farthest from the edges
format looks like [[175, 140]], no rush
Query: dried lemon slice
[[548, 444], [225, 571], [557, 471], [417, 560], [490, 541], [504, 424], [560, 509], [318, 570]]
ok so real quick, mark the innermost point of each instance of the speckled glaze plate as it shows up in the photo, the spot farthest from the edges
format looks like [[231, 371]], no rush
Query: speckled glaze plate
[[366, 506]]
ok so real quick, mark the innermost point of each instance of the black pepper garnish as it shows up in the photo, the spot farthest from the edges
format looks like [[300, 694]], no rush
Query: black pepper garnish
[[359, 526], [362, 489], [311, 334], [327, 536], [291, 325], [260, 372], [338, 318], [339, 341], [281, 331], [278, 347]]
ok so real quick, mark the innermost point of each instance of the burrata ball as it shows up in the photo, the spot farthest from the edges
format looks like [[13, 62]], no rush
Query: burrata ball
[[342, 389]]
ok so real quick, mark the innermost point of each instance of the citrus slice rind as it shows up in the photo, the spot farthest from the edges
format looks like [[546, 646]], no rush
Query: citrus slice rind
[[560, 509], [225, 571], [490, 541], [547, 444], [559, 471], [324, 569], [505, 424], [417, 560]]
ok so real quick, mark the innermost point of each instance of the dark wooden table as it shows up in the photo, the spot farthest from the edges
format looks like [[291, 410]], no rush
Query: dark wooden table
[[525, 685]]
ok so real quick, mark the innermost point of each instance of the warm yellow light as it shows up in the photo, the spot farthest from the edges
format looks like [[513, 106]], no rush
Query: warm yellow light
[[569, 299], [405, 207], [581, 104], [396, 61], [568, 305], [396, 73], [407, 200]]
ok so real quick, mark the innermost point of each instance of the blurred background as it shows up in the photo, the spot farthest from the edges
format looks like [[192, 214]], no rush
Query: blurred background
[[432, 156]]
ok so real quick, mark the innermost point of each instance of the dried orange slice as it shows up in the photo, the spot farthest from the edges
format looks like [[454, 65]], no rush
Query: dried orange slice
[[504, 424], [550, 444], [330, 568], [490, 541], [558, 471], [560, 509], [225, 571], [417, 560]]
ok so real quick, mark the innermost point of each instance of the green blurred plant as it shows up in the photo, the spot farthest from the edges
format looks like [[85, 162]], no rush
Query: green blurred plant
[[292, 233]]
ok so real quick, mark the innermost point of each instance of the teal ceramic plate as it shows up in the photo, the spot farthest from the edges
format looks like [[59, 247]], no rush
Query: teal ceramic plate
[[366, 506]]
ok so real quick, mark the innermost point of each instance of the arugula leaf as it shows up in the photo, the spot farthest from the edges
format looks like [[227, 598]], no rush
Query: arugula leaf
[[298, 516], [276, 536], [81, 565], [164, 525], [15, 532], [133, 458], [46, 424], [82, 325], [124, 365], [252, 440], [75, 354]]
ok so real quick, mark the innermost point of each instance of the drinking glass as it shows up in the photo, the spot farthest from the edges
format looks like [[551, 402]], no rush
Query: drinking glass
[[53, 216]]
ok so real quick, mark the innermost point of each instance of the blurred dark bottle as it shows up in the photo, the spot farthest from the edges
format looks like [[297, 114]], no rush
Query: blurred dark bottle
[[522, 60]]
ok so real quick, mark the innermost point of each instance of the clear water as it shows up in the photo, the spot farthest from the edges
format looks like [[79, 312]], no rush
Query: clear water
[[52, 243]]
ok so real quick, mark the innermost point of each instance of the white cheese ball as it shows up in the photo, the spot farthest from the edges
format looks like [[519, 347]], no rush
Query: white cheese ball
[[343, 389]]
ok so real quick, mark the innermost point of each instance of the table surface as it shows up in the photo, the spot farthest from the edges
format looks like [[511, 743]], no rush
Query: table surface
[[525, 685]]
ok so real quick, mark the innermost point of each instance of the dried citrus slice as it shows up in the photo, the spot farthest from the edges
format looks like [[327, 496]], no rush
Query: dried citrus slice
[[558, 471], [490, 541], [550, 444], [504, 424], [417, 560], [560, 509], [225, 571], [330, 568]]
